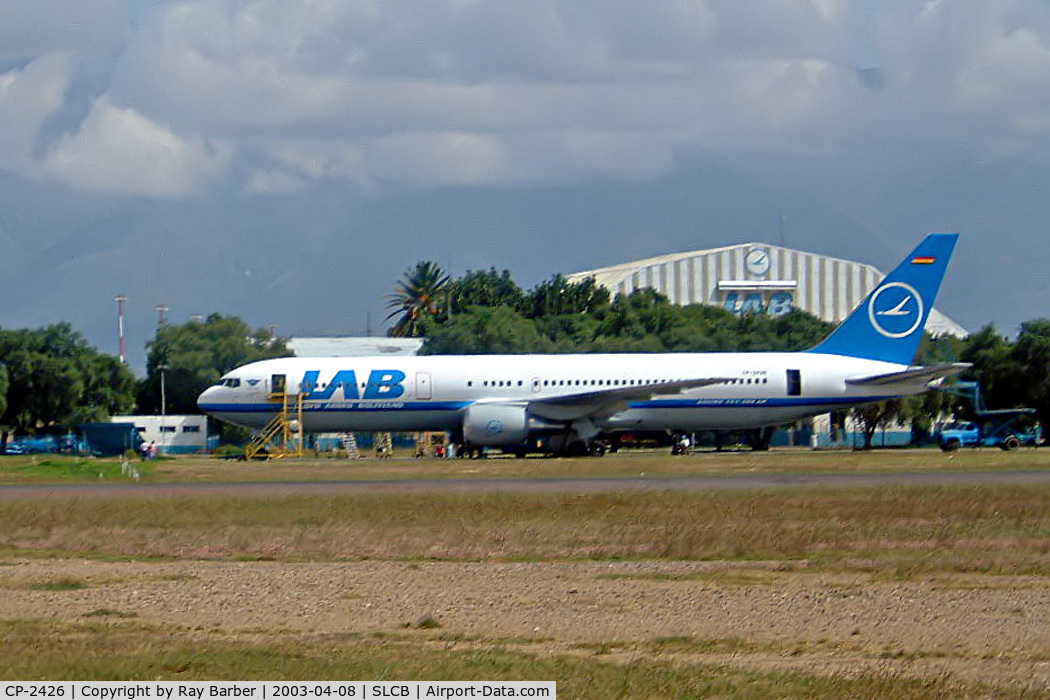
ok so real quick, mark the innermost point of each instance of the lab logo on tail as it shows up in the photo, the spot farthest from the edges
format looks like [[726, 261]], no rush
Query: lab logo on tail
[[887, 326], [896, 310]]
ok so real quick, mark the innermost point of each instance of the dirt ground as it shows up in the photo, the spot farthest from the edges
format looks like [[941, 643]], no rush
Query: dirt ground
[[993, 629]]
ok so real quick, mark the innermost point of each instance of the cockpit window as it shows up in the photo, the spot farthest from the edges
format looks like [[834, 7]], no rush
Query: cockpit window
[[230, 382]]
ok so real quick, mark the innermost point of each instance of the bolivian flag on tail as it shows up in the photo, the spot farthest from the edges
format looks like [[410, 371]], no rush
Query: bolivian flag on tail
[[923, 260]]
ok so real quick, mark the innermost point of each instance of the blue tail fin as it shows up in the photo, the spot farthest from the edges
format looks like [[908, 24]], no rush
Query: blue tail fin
[[889, 323]]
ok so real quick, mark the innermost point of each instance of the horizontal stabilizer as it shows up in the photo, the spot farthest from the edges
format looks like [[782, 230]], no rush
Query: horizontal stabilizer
[[911, 375]]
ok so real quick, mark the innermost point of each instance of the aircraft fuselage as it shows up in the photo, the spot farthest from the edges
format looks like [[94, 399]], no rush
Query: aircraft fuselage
[[432, 392]]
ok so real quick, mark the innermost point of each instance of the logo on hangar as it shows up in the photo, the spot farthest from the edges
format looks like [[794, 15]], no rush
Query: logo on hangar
[[896, 310]]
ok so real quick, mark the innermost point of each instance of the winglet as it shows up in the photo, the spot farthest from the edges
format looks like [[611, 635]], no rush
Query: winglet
[[889, 323]]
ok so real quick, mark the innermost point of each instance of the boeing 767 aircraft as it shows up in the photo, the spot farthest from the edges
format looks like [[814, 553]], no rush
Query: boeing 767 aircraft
[[511, 402]]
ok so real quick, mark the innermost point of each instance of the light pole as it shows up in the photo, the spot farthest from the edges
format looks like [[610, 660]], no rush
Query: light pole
[[163, 398], [120, 299]]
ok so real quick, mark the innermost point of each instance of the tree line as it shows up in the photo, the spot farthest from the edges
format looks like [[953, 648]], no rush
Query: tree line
[[52, 377], [485, 311]]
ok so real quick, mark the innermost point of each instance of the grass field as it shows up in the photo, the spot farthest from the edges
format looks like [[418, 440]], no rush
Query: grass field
[[122, 650], [892, 531], [967, 538], [51, 468]]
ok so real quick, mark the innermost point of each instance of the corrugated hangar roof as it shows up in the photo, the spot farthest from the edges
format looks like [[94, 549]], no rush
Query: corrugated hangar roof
[[755, 276], [354, 346]]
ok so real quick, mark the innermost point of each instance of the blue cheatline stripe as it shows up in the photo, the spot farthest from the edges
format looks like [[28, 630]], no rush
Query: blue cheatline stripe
[[348, 407], [374, 406], [815, 402]]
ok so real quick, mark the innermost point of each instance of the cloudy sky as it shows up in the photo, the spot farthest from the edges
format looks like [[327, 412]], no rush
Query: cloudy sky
[[287, 161]]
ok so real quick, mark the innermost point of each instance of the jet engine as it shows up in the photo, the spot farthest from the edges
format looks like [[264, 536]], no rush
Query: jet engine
[[495, 425]]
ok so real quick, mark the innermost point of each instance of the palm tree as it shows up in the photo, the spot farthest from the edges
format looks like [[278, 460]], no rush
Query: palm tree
[[420, 296]]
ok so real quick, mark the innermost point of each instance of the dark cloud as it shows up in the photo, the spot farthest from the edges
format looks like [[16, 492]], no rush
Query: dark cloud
[[31, 28], [263, 157]]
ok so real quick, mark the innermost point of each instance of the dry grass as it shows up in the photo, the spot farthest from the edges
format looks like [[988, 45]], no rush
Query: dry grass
[[895, 531], [126, 650]]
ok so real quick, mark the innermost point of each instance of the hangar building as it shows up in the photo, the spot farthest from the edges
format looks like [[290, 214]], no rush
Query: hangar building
[[348, 346], [756, 277]]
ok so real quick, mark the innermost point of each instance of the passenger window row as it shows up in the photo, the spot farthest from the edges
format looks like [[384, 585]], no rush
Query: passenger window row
[[573, 382], [603, 382]]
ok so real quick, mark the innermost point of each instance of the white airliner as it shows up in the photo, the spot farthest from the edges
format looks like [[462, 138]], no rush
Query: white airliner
[[511, 402]]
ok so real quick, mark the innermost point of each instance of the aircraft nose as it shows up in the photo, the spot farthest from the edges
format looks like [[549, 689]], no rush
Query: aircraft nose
[[207, 397]]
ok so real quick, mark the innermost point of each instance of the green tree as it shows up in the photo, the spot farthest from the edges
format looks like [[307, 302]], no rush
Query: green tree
[[417, 300], [703, 328], [940, 349], [922, 410], [993, 366], [486, 330], [754, 333], [642, 314], [108, 389], [873, 416], [568, 332], [192, 356], [797, 330], [996, 370], [484, 288], [556, 296], [5, 382], [1030, 371], [54, 377]]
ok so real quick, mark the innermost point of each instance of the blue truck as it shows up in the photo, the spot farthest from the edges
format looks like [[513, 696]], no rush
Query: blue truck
[[1007, 428], [1006, 436]]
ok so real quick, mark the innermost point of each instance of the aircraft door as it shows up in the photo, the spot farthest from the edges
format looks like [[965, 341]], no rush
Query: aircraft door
[[423, 387], [536, 385], [278, 384], [794, 382]]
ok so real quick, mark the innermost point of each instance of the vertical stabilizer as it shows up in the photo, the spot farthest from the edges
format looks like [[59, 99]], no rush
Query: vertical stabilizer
[[889, 323]]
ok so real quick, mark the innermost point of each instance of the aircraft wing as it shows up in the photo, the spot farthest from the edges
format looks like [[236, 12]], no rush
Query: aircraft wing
[[606, 401], [911, 375]]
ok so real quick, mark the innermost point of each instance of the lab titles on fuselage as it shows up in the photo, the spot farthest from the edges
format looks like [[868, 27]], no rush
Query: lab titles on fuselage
[[381, 384]]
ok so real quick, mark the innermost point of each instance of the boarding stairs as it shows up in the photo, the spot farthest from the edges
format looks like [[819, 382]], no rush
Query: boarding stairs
[[350, 445], [384, 445], [283, 436]]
